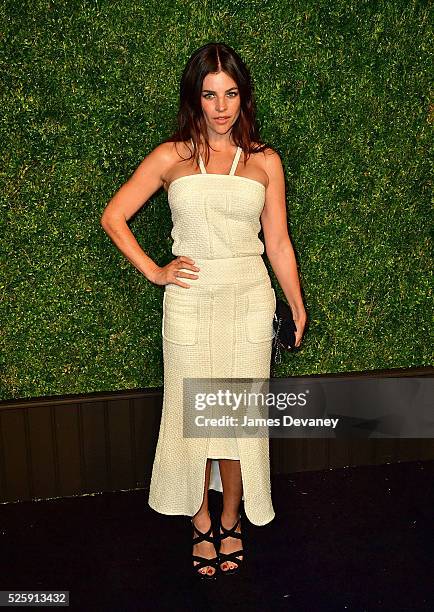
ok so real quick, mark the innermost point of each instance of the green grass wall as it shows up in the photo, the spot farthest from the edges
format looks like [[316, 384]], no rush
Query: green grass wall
[[343, 92]]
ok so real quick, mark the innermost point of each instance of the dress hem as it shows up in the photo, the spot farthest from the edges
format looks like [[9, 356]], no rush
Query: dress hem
[[170, 513]]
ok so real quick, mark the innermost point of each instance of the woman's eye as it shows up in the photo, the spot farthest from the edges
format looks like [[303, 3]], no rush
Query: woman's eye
[[231, 94]]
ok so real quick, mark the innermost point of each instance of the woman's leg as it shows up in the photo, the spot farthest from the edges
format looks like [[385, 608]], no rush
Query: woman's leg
[[230, 472], [203, 522]]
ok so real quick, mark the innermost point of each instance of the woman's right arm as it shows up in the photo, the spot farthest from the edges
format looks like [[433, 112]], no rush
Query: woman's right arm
[[143, 183]]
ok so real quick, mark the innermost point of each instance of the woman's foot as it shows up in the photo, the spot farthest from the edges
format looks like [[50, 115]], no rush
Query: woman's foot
[[204, 548], [230, 544]]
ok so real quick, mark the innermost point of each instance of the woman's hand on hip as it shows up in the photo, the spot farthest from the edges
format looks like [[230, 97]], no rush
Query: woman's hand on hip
[[170, 273]]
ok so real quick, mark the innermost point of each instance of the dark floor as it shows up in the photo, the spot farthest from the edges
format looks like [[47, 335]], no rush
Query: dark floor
[[346, 539]]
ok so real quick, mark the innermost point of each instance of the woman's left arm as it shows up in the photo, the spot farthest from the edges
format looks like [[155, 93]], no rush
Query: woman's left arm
[[278, 246]]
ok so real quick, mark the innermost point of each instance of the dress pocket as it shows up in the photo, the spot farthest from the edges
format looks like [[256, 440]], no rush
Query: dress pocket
[[261, 305], [180, 318]]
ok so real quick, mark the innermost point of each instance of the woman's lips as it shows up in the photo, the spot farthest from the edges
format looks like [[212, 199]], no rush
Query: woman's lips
[[221, 119]]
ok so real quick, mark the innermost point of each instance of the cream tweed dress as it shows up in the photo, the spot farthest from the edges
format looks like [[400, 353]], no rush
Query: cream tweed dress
[[220, 327]]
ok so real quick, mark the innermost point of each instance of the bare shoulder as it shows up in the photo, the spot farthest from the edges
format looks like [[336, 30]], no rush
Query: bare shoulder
[[172, 154], [165, 156], [167, 153], [270, 163], [273, 162], [269, 156]]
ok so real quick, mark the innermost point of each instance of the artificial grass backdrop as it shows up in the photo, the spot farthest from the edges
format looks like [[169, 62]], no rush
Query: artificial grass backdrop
[[90, 88]]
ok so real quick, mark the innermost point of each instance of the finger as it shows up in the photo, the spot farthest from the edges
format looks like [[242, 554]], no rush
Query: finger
[[186, 275], [181, 264], [186, 258], [181, 284], [178, 275], [188, 267]]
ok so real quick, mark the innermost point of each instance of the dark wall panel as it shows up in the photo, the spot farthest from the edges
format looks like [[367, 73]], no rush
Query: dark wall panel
[[63, 446]]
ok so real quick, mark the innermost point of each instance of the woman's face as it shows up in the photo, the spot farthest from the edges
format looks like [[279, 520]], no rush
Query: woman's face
[[220, 98]]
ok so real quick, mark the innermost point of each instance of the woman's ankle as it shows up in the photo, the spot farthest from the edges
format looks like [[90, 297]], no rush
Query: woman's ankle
[[202, 518], [229, 518]]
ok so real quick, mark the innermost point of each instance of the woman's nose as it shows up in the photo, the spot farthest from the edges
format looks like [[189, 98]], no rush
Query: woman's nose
[[220, 106]]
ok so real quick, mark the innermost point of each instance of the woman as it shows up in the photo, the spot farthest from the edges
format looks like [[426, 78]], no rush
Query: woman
[[218, 301]]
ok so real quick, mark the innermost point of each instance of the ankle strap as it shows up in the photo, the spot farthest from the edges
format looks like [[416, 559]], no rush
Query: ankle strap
[[230, 532], [202, 536]]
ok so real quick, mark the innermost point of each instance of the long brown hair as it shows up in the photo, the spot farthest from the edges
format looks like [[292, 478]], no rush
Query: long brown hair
[[215, 57]]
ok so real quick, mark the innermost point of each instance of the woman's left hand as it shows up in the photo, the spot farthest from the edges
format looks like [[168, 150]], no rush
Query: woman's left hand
[[300, 319]]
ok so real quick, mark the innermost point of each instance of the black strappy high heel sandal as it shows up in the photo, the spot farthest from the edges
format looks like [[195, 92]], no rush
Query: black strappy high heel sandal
[[203, 562], [233, 556]]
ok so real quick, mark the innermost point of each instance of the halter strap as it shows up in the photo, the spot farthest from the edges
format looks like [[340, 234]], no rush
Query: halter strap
[[202, 165], [234, 162]]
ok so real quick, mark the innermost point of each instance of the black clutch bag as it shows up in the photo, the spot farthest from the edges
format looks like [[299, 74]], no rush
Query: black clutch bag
[[284, 329]]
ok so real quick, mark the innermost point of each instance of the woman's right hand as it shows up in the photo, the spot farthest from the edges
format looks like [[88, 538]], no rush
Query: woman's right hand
[[170, 272]]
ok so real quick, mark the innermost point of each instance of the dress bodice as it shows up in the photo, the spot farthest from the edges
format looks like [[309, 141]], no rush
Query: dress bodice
[[216, 215]]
